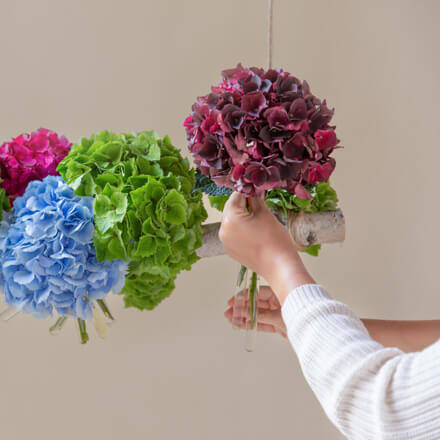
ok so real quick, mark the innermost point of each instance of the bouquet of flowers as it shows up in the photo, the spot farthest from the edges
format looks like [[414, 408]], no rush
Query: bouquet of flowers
[[263, 133], [123, 213], [122, 217], [259, 130]]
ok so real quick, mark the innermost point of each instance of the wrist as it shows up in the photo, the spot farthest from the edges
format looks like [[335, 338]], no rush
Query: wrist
[[286, 273]]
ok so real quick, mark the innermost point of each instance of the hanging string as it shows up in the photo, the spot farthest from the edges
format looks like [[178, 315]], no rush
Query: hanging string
[[269, 32]]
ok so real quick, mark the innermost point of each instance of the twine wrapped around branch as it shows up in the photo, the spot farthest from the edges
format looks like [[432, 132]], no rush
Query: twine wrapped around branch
[[305, 229]]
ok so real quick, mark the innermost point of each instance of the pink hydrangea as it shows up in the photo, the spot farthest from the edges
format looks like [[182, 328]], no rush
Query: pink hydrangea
[[259, 130], [30, 157]]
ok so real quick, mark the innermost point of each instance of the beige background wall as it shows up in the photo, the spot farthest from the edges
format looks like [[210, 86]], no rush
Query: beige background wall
[[79, 66]]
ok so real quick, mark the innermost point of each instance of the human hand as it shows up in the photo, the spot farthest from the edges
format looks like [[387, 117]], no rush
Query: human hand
[[260, 242], [269, 317]]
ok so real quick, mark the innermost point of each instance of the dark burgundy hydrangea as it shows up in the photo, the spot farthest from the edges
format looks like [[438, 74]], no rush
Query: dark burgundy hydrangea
[[259, 130]]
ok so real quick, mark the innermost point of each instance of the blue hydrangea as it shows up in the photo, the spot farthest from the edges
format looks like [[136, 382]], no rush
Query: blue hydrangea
[[5, 224], [49, 260]]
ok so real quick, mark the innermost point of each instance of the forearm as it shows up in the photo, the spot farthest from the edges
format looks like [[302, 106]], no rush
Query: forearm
[[409, 336], [287, 272], [366, 389]]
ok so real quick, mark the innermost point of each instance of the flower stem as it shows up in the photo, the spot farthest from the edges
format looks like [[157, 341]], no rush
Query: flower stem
[[251, 330], [240, 299], [105, 309], [58, 326], [241, 274], [9, 313], [253, 299], [99, 324], [83, 331]]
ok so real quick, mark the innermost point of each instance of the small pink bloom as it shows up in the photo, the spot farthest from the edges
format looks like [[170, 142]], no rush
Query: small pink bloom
[[30, 157]]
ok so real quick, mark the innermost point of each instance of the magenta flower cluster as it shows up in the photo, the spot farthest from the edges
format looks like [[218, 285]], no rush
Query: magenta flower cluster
[[30, 157], [258, 130]]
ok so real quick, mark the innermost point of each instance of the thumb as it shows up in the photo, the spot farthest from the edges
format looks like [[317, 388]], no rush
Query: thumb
[[258, 205], [236, 203]]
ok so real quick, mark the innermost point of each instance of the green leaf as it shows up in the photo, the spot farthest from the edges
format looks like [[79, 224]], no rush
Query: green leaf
[[218, 202], [304, 205], [326, 198], [4, 202], [313, 249], [323, 199]]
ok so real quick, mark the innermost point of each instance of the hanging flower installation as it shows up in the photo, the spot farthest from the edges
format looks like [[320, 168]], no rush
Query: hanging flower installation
[[126, 219], [258, 130], [118, 213]]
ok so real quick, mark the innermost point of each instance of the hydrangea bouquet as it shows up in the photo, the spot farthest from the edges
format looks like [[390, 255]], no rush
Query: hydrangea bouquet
[[122, 217], [123, 213], [260, 130], [265, 134]]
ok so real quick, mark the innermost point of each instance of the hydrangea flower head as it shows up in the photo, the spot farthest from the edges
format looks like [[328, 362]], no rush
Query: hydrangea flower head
[[259, 130], [30, 157], [49, 260], [146, 209]]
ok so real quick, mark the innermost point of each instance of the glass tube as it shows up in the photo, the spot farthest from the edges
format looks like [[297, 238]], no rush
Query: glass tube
[[252, 322]]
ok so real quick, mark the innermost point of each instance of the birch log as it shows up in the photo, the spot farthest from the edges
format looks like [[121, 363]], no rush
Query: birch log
[[305, 229]]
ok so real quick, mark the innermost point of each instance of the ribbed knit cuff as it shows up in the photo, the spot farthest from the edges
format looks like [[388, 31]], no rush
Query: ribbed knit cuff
[[301, 297]]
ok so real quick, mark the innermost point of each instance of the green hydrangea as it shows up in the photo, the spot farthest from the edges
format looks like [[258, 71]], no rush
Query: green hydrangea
[[146, 211]]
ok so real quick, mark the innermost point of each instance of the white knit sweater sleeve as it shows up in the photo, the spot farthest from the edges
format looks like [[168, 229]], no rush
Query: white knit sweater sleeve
[[368, 391]]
